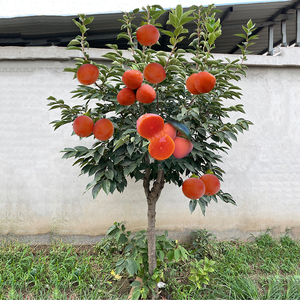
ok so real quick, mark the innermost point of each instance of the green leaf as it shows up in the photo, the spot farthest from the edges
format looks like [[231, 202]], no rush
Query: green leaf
[[178, 30], [173, 68], [96, 189], [249, 24], [110, 55], [178, 11], [131, 266], [241, 35], [109, 174], [169, 33], [106, 186], [173, 41], [180, 39], [181, 128], [203, 205], [129, 247], [177, 254], [73, 48], [81, 149], [184, 253], [135, 283], [112, 230], [157, 14], [130, 169], [186, 20], [136, 294], [83, 29], [121, 142], [130, 148], [123, 35], [211, 38], [173, 20], [98, 175], [161, 255], [74, 42], [120, 266], [192, 205], [68, 155], [76, 22], [88, 20], [170, 255]]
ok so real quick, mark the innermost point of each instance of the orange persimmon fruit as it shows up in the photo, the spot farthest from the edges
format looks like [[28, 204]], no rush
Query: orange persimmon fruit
[[132, 79], [190, 84], [212, 184], [147, 35], [204, 82], [154, 73], [161, 146], [83, 126], [149, 124], [170, 130], [145, 94], [103, 129], [126, 96], [182, 147], [87, 74], [193, 188]]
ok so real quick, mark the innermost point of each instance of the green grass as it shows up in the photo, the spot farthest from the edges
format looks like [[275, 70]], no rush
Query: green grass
[[264, 268]]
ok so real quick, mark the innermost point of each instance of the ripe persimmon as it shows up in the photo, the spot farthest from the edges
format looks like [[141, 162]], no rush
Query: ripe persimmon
[[170, 130], [182, 147], [148, 125], [193, 188], [83, 126], [212, 184], [132, 79], [126, 96], [161, 146], [145, 94], [154, 73], [87, 74], [103, 129], [190, 84], [147, 35], [204, 82]]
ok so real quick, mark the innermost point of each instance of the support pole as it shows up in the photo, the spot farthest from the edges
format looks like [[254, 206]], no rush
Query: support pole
[[283, 34], [270, 41], [297, 27]]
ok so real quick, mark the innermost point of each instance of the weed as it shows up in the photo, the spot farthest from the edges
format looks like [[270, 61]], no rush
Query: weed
[[203, 244], [266, 268]]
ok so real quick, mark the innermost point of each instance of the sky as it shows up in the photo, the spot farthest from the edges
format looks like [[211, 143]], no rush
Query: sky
[[14, 8]]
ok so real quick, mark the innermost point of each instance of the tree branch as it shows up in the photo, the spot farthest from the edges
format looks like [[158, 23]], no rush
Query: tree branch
[[157, 186], [146, 180]]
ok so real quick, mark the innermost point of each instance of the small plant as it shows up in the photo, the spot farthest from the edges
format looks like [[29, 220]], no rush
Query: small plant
[[239, 287], [200, 272], [135, 257], [203, 242], [265, 239]]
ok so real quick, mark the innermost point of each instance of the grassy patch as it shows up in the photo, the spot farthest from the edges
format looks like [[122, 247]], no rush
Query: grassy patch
[[265, 268]]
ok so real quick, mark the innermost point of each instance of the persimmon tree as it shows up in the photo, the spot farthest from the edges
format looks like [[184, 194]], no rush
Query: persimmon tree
[[200, 118]]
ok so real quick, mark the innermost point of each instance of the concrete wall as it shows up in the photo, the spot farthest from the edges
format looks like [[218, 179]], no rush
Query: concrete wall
[[41, 195]]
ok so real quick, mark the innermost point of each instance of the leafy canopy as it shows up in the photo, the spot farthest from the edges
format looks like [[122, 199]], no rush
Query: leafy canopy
[[205, 115]]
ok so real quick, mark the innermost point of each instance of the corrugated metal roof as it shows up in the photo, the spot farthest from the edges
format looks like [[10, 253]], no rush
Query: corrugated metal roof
[[58, 30]]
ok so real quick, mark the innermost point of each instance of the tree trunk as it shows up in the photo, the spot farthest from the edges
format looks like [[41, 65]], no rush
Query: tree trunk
[[152, 197]]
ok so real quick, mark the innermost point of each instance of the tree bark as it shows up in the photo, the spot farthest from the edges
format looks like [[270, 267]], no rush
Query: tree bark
[[152, 197]]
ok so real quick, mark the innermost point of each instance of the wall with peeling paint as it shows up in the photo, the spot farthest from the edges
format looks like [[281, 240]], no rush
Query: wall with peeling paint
[[41, 196]]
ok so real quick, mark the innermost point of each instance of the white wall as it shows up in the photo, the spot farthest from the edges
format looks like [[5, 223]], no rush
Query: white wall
[[41, 195]]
